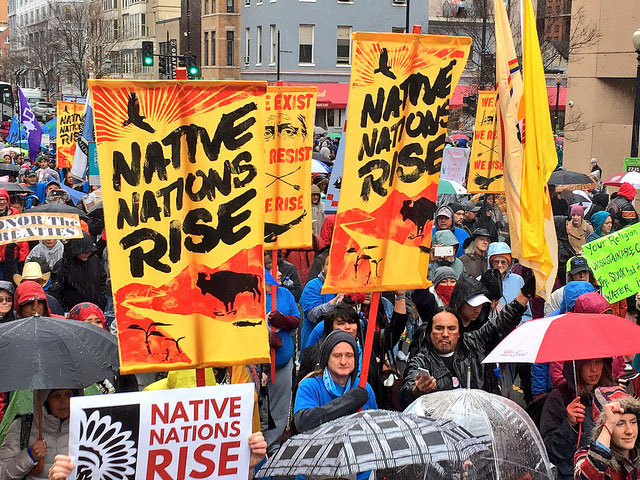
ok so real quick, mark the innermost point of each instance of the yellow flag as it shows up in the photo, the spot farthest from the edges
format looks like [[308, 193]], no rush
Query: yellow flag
[[527, 148]]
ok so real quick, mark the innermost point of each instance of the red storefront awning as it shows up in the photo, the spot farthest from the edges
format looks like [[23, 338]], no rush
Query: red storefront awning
[[330, 95], [461, 91], [334, 95]]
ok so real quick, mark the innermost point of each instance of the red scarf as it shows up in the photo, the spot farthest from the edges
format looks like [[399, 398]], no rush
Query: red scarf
[[444, 291]]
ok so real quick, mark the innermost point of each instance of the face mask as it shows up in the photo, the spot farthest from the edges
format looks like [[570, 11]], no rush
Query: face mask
[[444, 291]]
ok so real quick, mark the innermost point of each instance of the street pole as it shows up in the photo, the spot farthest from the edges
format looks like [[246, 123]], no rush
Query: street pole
[[406, 18], [555, 117], [278, 59], [636, 108]]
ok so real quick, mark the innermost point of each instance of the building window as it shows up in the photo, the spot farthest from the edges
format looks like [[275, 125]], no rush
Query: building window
[[247, 45], [205, 8], [205, 48], [230, 42], [213, 47], [259, 45], [230, 6], [343, 46], [305, 54], [273, 48]]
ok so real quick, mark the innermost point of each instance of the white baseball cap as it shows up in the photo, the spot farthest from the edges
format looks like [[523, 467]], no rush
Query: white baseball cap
[[478, 300]]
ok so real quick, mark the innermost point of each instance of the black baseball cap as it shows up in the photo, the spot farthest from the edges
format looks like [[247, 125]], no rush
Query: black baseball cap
[[577, 264]]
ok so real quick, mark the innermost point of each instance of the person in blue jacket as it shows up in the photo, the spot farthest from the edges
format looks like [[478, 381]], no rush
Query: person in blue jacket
[[332, 391], [284, 319], [499, 258], [444, 221], [314, 303]]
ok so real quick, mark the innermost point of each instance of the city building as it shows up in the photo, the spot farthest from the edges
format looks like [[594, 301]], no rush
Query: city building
[[601, 88], [308, 42], [135, 21], [220, 39]]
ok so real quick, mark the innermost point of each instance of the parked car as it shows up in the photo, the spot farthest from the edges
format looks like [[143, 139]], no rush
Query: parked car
[[44, 111]]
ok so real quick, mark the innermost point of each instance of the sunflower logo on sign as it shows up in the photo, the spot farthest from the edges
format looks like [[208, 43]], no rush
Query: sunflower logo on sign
[[107, 451]]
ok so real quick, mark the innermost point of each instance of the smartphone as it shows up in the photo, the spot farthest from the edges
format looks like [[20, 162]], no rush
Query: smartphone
[[443, 251], [424, 371]]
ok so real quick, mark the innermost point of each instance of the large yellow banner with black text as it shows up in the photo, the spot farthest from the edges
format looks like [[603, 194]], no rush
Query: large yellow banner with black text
[[288, 141], [485, 165], [182, 172], [68, 125], [398, 111]]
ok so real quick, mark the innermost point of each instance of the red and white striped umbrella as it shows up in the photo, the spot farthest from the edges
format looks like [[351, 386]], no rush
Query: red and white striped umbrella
[[629, 177], [572, 336]]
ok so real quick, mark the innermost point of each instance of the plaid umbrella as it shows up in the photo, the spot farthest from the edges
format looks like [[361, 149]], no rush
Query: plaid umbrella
[[376, 440]]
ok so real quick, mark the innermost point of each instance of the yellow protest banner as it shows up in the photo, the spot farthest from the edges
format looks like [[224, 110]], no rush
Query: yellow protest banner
[[398, 111], [485, 166], [68, 125], [182, 172], [288, 143]]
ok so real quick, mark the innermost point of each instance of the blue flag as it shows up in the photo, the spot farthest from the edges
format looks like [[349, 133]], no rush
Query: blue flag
[[31, 125], [81, 155], [16, 133]]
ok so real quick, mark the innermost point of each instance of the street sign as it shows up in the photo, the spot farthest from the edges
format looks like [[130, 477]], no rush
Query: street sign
[[173, 50], [631, 164]]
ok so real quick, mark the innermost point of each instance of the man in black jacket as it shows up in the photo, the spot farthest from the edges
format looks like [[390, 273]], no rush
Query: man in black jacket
[[442, 363], [621, 209]]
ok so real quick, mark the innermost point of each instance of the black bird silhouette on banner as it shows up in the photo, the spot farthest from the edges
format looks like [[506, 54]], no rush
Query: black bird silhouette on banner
[[133, 111], [383, 65]]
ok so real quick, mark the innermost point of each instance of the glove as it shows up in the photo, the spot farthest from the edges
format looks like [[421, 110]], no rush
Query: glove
[[346, 404], [493, 283], [274, 340], [529, 287]]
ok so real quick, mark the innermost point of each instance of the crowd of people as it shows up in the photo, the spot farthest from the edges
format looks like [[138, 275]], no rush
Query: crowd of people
[[426, 340]]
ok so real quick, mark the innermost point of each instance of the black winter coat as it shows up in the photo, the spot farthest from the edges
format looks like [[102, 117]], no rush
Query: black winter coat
[[472, 348]]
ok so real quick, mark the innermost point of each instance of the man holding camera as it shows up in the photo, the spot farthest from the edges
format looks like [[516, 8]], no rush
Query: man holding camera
[[444, 359]]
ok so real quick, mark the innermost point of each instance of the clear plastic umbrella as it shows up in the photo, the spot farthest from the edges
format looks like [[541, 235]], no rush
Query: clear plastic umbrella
[[516, 447]]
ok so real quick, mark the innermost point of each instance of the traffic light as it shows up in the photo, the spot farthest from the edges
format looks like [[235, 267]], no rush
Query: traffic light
[[162, 65], [192, 68], [147, 54]]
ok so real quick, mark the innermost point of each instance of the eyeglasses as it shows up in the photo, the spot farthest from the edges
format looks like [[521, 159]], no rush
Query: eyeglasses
[[6, 299]]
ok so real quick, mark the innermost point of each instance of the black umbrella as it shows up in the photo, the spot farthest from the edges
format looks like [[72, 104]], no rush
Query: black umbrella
[[9, 169], [321, 158], [41, 353], [566, 177], [15, 187], [57, 208], [377, 440]]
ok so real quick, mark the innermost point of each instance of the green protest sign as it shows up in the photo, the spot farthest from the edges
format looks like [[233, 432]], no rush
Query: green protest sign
[[615, 262]]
